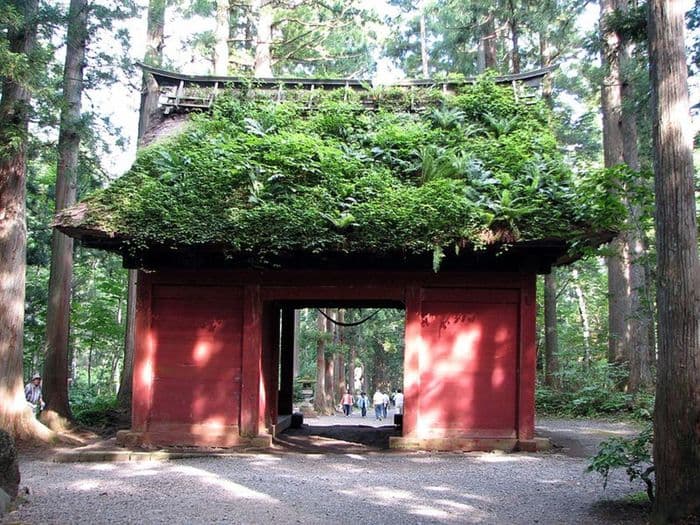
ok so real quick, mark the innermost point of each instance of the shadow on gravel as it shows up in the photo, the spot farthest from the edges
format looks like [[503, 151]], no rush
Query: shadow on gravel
[[622, 511], [337, 439]]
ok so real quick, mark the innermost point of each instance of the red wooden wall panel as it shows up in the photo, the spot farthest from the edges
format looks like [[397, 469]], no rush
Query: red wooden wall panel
[[197, 369], [468, 363]]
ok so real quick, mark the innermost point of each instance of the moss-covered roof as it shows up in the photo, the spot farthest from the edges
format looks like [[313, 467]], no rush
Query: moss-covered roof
[[319, 173]]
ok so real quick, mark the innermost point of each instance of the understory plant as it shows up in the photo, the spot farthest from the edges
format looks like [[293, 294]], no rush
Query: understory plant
[[634, 455]]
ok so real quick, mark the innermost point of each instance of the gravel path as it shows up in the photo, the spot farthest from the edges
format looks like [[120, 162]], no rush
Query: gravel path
[[293, 487]]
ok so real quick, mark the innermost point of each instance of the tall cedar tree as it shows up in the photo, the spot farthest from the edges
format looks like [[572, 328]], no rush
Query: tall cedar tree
[[677, 413], [15, 416], [58, 313]]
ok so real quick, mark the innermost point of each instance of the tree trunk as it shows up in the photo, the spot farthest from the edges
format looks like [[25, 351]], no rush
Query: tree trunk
[[423, 42], [613, 150], [15, 416], [126, 378], [514, 39], [320, 390], [487, 45], [639, 318], [677, 413], [263, 49], [551, 376], [583, 312], [546, 61], [155, 40], [221, 34], [329, 393], [341, 374], [148, 109], [55, 388], [297, 332]]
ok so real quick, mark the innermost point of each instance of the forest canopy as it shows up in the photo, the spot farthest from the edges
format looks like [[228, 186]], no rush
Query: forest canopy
[[321, 173]]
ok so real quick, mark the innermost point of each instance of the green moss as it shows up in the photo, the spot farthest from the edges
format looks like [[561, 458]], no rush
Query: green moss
[[323, 174]]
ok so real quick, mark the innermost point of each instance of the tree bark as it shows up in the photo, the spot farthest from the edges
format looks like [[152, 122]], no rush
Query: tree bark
[[15, 416], [613, 151], [55, 388], [639, 316], [487, 44], [125, 382], [423, 42], [514, 38], [155, 41], [677, 413], [551, 376], [583, 312], [221, 35], [263, 50], [320, 391], [297, 332]]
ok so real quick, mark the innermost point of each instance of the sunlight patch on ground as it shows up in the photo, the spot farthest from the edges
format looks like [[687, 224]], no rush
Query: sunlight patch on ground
[[104, 467], [505, 458], [234, 489], [85, 485], [438, 489], [455, 505], [356, 457], [431, 512]]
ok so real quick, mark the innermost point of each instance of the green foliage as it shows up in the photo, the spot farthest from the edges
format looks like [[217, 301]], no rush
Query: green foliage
[[589, 401], [263, 178], [634, 455], [630, 24], [91, 409]]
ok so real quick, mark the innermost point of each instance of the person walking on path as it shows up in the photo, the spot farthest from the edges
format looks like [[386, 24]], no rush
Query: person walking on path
[[347, 402], [398, 399], [385, 405], [363, 403], [32, 393], [378, 401]]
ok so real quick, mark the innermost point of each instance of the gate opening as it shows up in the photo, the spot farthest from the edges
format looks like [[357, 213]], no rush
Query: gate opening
[[336, 362]]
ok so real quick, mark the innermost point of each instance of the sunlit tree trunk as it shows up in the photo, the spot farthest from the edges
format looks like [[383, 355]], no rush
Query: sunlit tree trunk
[[221, 34], [263, 49], [677, 412], [155, 40], [638, 317], [55, 387], [613, 150], [15, 416], [423, 42], [551, 376], [514, 26]]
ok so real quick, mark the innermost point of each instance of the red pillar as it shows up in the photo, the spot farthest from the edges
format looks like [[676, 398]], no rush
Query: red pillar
[[251, 361], [144, 356], [413, 346], [527, 358]]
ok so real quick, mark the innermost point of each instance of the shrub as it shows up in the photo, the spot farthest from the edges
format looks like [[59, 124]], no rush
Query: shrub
[[634, 455], [91, 409]]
